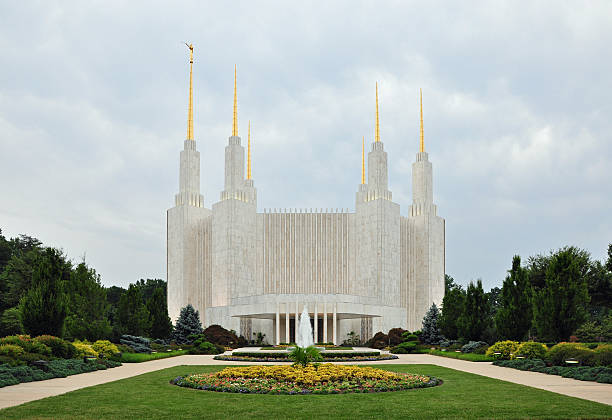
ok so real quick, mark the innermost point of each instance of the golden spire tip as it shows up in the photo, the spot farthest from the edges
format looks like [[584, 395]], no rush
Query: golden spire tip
[[235, 120], [377, 129], [422, 136], [190, 112]]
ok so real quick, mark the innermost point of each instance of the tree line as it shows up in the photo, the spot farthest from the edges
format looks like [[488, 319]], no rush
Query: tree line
[[550, 298], [43, 292]]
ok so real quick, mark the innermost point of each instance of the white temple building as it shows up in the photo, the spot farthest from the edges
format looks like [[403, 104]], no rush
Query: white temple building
[[364, 271]]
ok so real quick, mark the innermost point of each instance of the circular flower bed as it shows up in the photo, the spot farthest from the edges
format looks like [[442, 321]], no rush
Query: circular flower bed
[[312, 379]]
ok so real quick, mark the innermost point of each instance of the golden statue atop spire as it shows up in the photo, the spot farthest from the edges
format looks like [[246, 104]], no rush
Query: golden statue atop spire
[[249, 154], [235, 121], [377, 129], [363, 160], [190, 113], [422, 136]]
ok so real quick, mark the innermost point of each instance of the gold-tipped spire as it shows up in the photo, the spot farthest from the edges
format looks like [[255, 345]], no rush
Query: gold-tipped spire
[[422, 136], [249, 154], [190, 113], [235, 121], [377, 130], [363, 160]]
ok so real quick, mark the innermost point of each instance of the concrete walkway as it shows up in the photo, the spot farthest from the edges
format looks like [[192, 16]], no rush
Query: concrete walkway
[[22, 393]]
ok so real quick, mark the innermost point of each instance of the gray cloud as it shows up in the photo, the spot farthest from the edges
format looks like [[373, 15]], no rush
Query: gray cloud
[[93, 115]]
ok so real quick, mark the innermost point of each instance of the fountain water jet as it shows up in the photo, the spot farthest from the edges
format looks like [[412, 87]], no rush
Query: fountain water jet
[[304, 331]]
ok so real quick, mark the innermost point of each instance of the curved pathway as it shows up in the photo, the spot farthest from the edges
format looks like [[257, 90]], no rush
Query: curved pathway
[[25, 392]]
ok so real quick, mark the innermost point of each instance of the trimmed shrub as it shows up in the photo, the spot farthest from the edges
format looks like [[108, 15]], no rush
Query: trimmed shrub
[[395, 336], [138, 344], [405, 347], [475, 347], [407, 336], [532, 350], [603, 355], [202, 346], [216, 334], [379, 341], [83, 348], [59, 348], [27, 344], [507, 350], [105, 348], [561, 352], [11, 351]]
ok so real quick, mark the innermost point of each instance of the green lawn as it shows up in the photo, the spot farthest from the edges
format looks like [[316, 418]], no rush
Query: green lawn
[[463, 395], [472, 357], [145, 357]]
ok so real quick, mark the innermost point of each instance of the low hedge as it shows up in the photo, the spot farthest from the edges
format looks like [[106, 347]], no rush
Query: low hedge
[[582, 373], [271, 357], [325, 354], [12, 375]]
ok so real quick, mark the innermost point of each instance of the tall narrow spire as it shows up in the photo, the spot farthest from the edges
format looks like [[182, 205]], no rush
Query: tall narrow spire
[[377, 129], [363, 160], [235, 120], [190, 113], [422, 136], [249, 154]]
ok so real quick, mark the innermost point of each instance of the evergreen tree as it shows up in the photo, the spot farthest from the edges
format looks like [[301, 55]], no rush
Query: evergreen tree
[[474, 319], [133, 315], [187, 324], [87, 306], [430, 334], [10, 322], [561, 305], [452, 307], [513, 319], [43, 307], [161, 326]]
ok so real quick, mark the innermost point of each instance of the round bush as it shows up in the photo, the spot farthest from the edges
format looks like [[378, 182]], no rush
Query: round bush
[[507, 349], [59, 348], [475, 347], [404, 348], [532, 350], [105, 348], [11, 350], [84, 349], [603, 355], [561, 352]]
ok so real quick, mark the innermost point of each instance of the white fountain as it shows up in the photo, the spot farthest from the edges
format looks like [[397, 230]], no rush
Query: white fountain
[[304, 331]]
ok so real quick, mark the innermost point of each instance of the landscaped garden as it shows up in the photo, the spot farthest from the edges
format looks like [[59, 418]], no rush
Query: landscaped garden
[[309, 379], [462, 395], [326, 356]]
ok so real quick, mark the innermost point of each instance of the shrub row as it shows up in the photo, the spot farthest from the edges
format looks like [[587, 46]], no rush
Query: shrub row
[[269, 357], [557, 354], [583, 373], [12, 375], [325, 354]]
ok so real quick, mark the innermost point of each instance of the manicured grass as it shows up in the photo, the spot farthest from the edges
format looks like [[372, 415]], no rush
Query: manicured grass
[[145, 357], [463, 395], [472, 357]]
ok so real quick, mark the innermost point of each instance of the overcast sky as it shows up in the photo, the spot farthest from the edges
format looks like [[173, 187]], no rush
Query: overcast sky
[[516, 97]]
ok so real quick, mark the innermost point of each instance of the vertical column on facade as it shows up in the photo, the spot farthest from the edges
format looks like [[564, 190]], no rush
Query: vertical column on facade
[[316, 323], [277, 323], [325, 322], [297, 315], [287, 338], [335, 325]]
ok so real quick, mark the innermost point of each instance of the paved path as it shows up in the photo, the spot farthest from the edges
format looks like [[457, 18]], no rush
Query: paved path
[[22, 393]]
